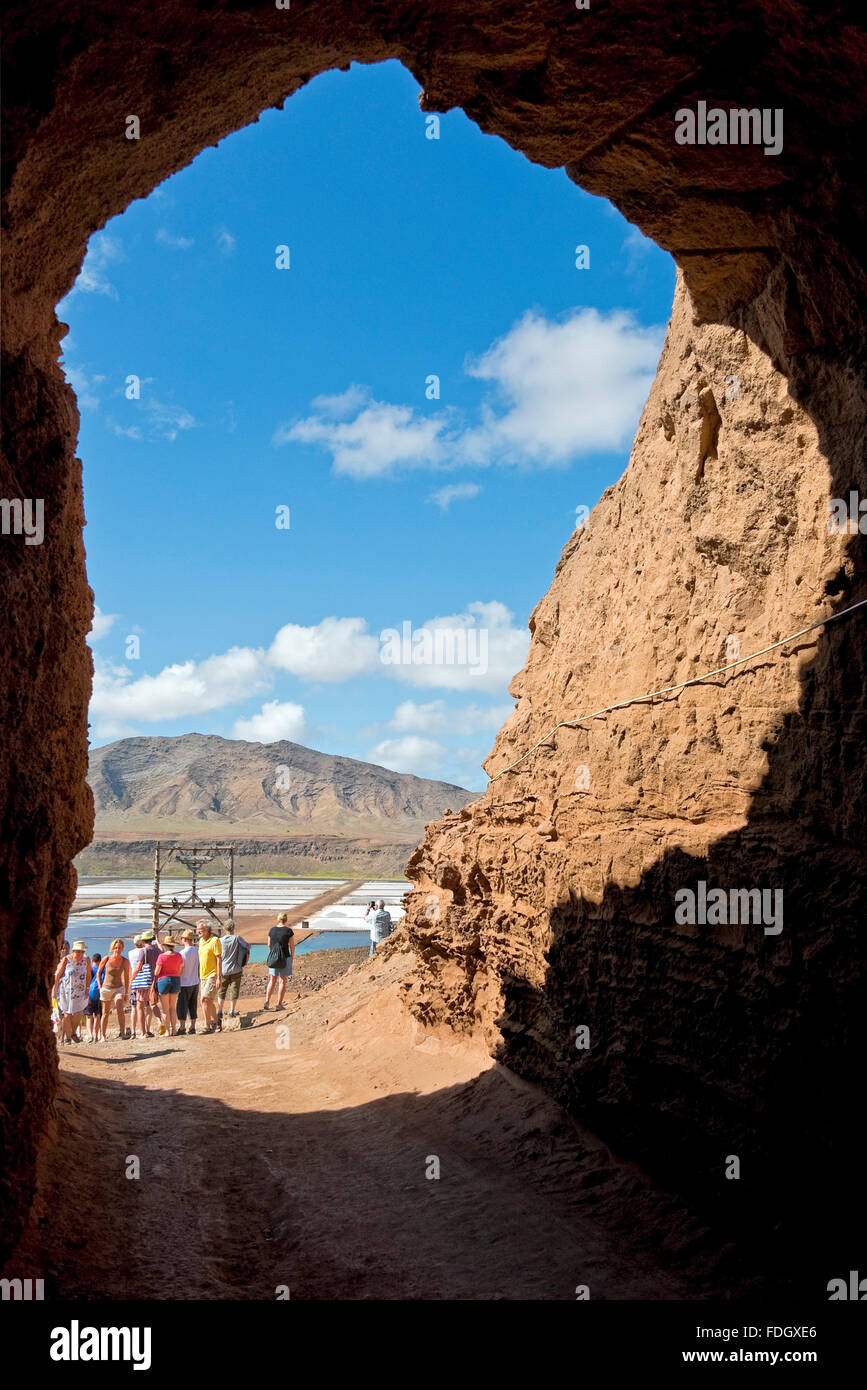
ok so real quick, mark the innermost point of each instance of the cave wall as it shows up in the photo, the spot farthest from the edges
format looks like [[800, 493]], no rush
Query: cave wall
[[768, 249], [550, 903]]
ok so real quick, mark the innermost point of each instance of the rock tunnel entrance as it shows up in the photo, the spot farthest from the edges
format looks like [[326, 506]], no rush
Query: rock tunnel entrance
[[773, 293]]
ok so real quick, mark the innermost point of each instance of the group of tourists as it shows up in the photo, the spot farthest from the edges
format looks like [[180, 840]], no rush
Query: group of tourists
[[162, 983]]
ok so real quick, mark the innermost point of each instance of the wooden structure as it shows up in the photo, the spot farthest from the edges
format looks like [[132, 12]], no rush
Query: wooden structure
[[220, 909]]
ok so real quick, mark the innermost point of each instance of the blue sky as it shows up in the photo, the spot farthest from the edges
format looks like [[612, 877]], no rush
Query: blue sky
[[308, 388]]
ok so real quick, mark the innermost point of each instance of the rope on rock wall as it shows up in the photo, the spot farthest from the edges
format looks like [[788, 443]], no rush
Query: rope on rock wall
[[669, 689]]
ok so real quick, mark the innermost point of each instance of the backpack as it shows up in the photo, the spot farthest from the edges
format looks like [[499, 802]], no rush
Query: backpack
[[93, 992], [277, 957]]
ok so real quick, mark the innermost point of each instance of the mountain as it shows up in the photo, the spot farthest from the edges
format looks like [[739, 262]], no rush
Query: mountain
[[203, 785]]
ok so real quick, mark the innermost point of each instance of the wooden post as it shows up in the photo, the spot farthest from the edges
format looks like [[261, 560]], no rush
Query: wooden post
[[232, 884], [156, 909]]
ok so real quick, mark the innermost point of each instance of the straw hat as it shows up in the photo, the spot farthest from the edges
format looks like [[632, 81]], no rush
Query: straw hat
[[188, 935], [79, 946], [169, 941], [147, 935]]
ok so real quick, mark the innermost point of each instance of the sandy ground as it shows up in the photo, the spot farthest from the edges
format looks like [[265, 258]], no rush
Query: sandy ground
[[301, 1150]]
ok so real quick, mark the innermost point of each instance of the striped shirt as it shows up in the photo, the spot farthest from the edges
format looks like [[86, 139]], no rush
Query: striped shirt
[[145, 977]]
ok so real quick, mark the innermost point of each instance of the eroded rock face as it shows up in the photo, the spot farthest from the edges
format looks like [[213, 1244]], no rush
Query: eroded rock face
[[550, 904], [770, 251]]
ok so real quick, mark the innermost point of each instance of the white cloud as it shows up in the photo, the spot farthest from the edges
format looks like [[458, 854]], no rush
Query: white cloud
[[185, 688], [436, 717], [567, 387], [335, 649], [348, 401], [495, 651], [109, 731], [274, 721], [379, 440], [103, 251], [177, 243], [166, 418], [84, 387], [455, 492], [558, 389], [226, 241], [102, 623], [422, 756], [125, 432]]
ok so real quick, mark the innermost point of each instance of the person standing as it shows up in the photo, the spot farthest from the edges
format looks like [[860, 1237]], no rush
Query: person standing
[[139, 991], [93, 1008], [236, 953], [141, 979], [153, 950], [113, 976], [381, 926], [210, 974], [167, 982], [281, 958], [71, 986], [189, 995]]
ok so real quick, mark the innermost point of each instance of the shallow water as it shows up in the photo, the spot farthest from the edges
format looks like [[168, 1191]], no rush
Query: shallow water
[[97, 933]]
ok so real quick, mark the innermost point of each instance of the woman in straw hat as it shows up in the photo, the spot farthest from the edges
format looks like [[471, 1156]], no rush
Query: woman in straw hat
[[71, 983], [113, 976], [167, 983]]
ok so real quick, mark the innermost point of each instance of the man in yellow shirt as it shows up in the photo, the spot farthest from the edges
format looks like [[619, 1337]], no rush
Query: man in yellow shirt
[[210, 974]]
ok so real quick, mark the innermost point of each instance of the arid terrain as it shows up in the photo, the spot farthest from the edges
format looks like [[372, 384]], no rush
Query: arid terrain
[[301, 1147], [205, 785], [547, 905], [286, 807]]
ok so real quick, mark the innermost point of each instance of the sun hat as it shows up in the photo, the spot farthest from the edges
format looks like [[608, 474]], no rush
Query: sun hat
[[79, 946], [169, 941], [188, 933], [147, 935]]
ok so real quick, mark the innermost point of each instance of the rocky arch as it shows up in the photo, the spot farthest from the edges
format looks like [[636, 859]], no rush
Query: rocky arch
[[771, 280]]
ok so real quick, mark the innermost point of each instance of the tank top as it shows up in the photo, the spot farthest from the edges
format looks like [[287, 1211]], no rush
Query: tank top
[[113, 976]]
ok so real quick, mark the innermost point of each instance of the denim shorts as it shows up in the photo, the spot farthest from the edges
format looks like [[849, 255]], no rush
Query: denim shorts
[[281, 972], [169, 984]]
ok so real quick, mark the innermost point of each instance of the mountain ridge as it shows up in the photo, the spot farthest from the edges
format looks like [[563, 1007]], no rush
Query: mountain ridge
[[203, 783]]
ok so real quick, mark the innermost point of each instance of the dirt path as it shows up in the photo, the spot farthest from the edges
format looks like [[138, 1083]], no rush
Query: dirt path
[[297, 1152], [254, 926]]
